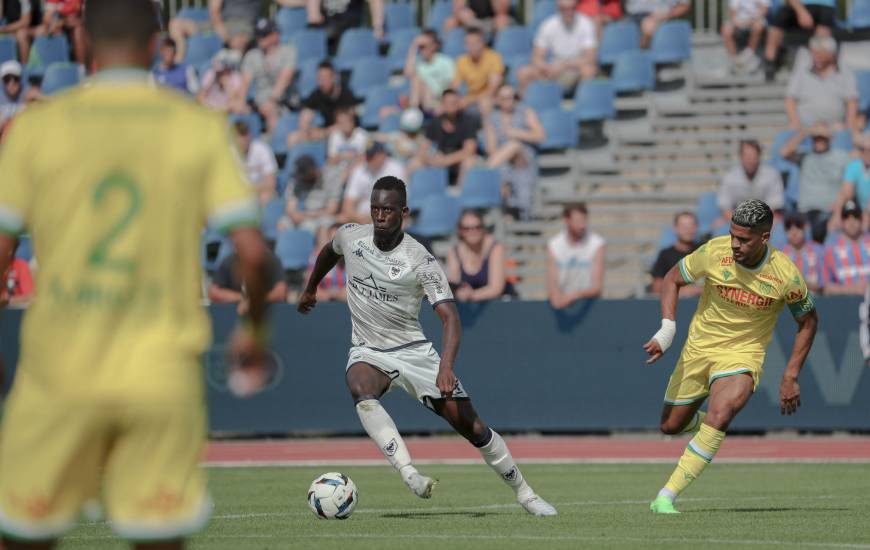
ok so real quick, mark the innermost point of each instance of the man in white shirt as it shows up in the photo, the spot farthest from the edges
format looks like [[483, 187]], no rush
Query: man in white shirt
[[575, 260], [750, 180], [260, 164], [569, 39], [355, 207]]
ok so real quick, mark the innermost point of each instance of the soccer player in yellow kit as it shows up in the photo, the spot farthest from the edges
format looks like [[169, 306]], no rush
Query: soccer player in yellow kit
[[747, 282], [115, 180]]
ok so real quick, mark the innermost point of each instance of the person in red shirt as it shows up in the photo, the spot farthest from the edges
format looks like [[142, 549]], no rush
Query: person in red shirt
[[17, 283], [61, 15]]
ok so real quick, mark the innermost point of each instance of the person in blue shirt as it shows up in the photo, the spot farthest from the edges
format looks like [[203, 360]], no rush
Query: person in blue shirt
[[856, 182], [174, 75]]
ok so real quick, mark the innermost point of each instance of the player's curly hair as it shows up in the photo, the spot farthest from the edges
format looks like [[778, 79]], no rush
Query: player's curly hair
[[753, 214]]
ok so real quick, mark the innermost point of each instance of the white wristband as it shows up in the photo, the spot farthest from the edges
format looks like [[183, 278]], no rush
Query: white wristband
[[665, 335]]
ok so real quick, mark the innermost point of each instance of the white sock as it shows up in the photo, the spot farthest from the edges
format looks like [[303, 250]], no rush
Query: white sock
[[498, 456], [665, 492], [384, 433]]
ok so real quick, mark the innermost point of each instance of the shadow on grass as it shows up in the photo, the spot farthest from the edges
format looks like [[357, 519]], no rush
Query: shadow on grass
[[774, 510], [433, 515]]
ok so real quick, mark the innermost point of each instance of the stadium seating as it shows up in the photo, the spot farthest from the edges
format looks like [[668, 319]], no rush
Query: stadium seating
[[634, 72], [594, 100], [859, 15], [315, 149], [707, 210], [49, 49], [454, 42], [426, 182], [399, 15], [310, 44], [293, 248], [672, 42], [513, 64], [513, 41], [199, 15], [291, 20], [481, 188], [618, 38], [60, 76], [863, 78], [287, 124], [438, 216], [542, 10], [560, 128], [776, 159], [389, 123], [201, 48], [541, 95], [400, 42], [378, 97], [667, 237], [253, 121], [438, 13], [306, 80], [8, 49], [354, 45], [269, 217], [366, 73]]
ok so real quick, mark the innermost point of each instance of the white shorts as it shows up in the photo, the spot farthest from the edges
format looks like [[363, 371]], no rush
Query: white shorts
[[413, 367]]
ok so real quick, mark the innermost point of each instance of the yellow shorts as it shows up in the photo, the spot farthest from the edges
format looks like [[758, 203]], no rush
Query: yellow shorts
[[141, 461], [696, 371]]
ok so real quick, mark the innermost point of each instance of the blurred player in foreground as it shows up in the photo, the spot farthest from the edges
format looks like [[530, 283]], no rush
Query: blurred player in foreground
[[107, 402], [747, 282], [388, 273]]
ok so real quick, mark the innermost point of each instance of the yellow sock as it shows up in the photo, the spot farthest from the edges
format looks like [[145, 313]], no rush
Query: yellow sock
[[699, 452], [695, 424]]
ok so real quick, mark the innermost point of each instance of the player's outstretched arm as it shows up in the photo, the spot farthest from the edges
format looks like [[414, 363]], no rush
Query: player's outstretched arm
[[451, 334], [661, 340], [326, 260], [789, 389]]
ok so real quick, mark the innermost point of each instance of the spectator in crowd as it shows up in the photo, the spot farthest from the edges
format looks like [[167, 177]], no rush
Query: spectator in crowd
[[821, 176], [329, 96], [223, 86], [686, 232], [12, 98], [747, 20], [822, 92], [847, 259], [451, 138], [511, 132], [18, 282], [311, 204], [339, 16], [575, 260], [565, 49], [62, 16], [476, 265], [750, 180], [429, 71], [22, 18], [260, 164], [345, 148], [355, 207], [649, 14], [808, 256], [270, 66], [857, 182], [481, 70], [232, 20], [406, 145], [333, 287], [601, 11], [180, 76], [485, 15], [817, 16], [226, 285]]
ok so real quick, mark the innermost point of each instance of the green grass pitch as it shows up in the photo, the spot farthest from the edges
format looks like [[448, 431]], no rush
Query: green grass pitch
[[600, 506]]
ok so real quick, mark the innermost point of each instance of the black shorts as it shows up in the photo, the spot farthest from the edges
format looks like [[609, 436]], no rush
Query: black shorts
[[786, 17]]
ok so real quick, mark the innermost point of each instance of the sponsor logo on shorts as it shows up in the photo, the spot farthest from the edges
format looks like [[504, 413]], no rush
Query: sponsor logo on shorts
[[511, 475], [391, 447]]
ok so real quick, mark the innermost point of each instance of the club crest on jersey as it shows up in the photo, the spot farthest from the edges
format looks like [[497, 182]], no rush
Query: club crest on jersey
[[726, 275], [395, 272], [391, 447], [511, 474]]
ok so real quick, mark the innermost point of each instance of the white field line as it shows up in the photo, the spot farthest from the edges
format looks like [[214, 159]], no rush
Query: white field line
[[472, 461]]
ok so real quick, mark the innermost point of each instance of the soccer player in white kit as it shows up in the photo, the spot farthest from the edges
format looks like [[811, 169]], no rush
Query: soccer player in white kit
[[388, 273]]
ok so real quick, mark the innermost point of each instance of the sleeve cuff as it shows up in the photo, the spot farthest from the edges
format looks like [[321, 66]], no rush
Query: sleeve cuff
[[243, 213], [11, 221], [684, 272]]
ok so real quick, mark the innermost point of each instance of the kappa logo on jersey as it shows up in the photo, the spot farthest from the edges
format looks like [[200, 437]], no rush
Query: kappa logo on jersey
[[430, 259], [391, 447], [511, 474], [358, 253], [395, 272]]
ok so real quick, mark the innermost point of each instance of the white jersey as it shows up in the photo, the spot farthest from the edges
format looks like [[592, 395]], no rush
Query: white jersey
[[384, 289]]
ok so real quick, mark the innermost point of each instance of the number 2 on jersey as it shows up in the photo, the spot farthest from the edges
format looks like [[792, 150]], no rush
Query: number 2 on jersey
[[100, 255]]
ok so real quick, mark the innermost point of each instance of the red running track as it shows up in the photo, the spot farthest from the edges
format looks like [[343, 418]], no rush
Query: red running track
[[538, 449]]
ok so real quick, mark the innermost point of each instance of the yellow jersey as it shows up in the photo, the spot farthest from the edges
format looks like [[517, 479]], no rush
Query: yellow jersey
[[115, 181], [739, 306]]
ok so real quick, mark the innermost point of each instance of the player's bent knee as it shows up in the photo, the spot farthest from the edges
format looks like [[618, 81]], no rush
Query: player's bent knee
[[669, 427]]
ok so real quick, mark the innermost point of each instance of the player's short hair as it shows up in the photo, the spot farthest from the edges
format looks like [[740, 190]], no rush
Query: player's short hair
[[392, 183], [113, 22], [433, 34], [574, 207], [685, 213], [169, 42], [447, 92], [325, 65], [752, 143], [753, 214]]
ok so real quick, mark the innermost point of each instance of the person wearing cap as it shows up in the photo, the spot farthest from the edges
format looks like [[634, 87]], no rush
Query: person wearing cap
[[270, 66], [328, 97], [847, 258], [808, 256], [817, 16], [232, 20], [429, 70], [223, 87], [821, 175], [856, 184], [750, 180], [12, 98], [406, 144], [822, 91], [179, 76], [22, 18], [355, 207]]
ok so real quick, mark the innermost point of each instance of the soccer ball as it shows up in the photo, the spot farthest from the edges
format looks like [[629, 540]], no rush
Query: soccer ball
[[332, 496]]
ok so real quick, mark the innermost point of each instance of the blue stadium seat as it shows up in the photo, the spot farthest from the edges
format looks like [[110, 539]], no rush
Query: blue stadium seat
[[293, 248], [49, 49], [560, 128], [310, 44], [842, 139], [618, 38], [272, 212], [368, 72], [25, 248], [201, 48], [863, 78], [426, 182], [8, 49], [400, 42], [60, 76], [287, 124], [199, 15], [778, 237], [211, 239], [355, 44], [481, 188], [438, 13], [306, 80], [542, 10], [667, 237], [389, 123], [454, 42], [513, 64], [672, 42], [378, 97], [543, 94], [289, 21], [513, 41], [438, 216], [859, 15], [399, 15], [707, 211], [776, 159], [315, 149], [594, 100], [634, 72], [253, 120], [792, 184]]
